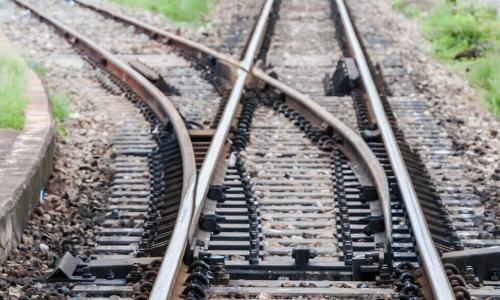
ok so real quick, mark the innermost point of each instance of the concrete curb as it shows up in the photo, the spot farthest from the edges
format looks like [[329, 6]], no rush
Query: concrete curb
[[24, 173]]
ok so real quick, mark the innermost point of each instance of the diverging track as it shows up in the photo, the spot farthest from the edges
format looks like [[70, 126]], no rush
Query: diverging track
[[288, 202]]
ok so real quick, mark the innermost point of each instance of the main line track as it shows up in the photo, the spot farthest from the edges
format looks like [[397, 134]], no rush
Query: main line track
[[288, 201]]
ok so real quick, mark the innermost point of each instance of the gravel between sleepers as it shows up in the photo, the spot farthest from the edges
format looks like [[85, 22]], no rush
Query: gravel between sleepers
[[77, 192], [465, 137]]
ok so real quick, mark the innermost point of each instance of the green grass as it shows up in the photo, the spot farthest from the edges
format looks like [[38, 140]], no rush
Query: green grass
[[485, 73], [457, 27], [39, 68], [60, 103], [408, 8], [177, 10], [13, 98]]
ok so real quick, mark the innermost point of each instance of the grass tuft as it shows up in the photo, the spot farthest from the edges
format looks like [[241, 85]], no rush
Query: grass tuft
[[454, 28], [13, 98], [470, 32], [408, 8], [485, 73], [60, 103], [39, 68], [466, 36], [177, 10]]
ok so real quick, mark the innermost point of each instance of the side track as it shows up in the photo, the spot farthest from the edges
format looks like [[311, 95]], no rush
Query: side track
[[290, 202]]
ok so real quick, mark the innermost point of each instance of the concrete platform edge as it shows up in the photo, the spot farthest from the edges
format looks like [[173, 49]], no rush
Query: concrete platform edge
[[25, 172]]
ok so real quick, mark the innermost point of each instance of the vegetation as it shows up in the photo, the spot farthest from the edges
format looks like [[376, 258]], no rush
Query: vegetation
[[465, 35], [454, 28], [39, 68], [13, 98], [177, 10], [485, 73], [410, 9], [60, 103]]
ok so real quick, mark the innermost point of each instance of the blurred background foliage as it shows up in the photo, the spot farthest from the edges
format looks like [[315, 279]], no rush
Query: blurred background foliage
[[466, 36]]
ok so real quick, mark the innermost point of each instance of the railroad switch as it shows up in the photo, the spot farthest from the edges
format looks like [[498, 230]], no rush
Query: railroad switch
[[135, 274], [494, 274], [375, 224], [385, 276], [470, 276], [155, 78], [212, 266], [394, 190], [368, 193], [209, 223], [110, 275], [476, 262], [72, 269], [217, 193], [344, 79], [210, 259], [365, 266], [370, 135], [302, 256]]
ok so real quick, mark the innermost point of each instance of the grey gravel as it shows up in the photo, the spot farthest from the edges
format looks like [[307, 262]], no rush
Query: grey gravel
[[75, 198], [466, 144]]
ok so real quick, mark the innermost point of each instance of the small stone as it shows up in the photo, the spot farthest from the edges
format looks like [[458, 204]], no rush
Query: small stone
[[44, 248]]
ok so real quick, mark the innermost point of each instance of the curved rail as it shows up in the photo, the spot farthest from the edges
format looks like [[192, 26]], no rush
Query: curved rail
[[438, 280], [189, 48], [166, 112], [364, 161], [356, 149], [151, 95]]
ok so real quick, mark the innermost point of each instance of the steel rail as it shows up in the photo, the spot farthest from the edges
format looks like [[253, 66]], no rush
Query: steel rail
[[166, 112], [438, 279], [217, 145], [190, 48], [163, 287], [354, 147], [363, 155], [150, 94]]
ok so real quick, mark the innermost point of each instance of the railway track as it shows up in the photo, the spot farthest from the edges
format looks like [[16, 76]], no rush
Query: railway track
[[262, 192]]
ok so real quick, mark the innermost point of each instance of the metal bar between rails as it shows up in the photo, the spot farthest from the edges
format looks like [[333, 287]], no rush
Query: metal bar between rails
[[435, 272]]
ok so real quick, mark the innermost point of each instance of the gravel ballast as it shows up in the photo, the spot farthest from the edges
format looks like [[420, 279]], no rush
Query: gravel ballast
[[76, 195], [463, 153]]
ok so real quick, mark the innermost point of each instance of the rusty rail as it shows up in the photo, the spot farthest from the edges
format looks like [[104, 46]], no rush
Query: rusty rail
[[355, 148], [166, 112], [366, 165]]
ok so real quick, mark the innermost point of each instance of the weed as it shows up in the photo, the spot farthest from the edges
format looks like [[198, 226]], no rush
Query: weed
[[60, 103], [39, 68], [408, 8], [177, 10], [13, 99], [466, 36], [485, 73], [456, 28], [468, 31]]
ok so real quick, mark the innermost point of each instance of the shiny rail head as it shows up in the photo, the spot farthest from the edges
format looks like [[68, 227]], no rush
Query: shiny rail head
[[167, 112], [432, 264], [219, 139]]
